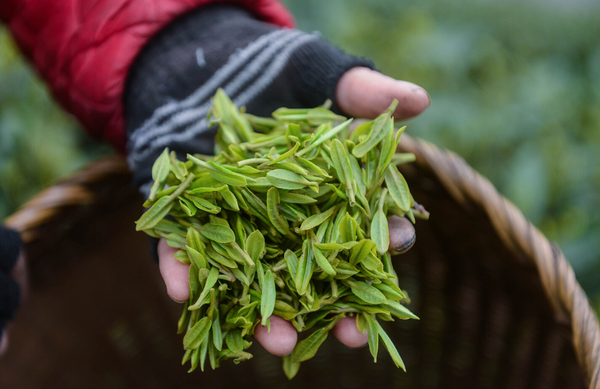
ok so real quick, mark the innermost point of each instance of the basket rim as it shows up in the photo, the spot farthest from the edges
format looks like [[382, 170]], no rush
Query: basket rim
[[567, 297]]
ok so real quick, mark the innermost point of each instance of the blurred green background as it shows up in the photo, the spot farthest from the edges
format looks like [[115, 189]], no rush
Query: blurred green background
[[515, 88]]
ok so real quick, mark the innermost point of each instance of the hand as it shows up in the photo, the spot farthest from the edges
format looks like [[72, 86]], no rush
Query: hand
[[361, 92], [262, 68]]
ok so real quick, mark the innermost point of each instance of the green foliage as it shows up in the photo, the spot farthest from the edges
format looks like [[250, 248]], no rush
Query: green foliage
[[38, 141], [515, 89]]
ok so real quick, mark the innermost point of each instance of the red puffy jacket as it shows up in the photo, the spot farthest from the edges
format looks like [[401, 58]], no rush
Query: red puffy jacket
[[83, 48]]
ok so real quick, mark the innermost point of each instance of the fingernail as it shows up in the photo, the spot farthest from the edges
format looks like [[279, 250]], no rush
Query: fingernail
[[402, 234], [423, 92], [174, 299], [404, 248]]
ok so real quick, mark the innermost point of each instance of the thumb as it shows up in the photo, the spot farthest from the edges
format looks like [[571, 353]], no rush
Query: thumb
[[174, 273], [365, 93], [402, 234]]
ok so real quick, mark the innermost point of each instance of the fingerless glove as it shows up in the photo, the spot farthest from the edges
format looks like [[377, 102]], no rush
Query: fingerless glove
[[259, 66]]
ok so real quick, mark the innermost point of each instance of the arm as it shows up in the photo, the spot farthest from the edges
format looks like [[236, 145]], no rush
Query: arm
[[84, 49]]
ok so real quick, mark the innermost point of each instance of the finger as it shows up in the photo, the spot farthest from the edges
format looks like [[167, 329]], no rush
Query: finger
[[174, 273], [348, 334], [365, 93], [3, 343], [402, 234], [280, 340]]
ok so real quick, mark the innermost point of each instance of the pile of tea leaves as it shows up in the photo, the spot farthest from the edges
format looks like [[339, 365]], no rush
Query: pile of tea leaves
[[288, 218]]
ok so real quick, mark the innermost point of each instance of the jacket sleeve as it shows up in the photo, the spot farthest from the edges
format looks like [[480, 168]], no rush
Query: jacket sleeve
[[84, 48]]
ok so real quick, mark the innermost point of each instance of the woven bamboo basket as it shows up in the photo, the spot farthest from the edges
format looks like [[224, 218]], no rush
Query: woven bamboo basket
[[499, 304]]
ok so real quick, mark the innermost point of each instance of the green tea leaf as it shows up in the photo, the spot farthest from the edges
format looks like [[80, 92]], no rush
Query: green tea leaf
[[160, 171], [357, 175], [291, 114], [230, 199], [359, 252], [196, 335], [380, 233], [294, 168], [284, 156], [274, 213], [169, 226], [224, 260], [305, 269], [398, 188], [284, 310], [378, 131], [348, 229], [336, 246], [292, 262], [205, 205], [307, 348], [235, 251], [342, 166], [400, 158], [256, 206], [322, 262], [371, 262], [326, 136], [319, 115], [314, 167], [290, 368], [210, 282], [156, 213], [390, 290], [197, 258], [219, 173], [217, 335], [187, 206], [267, 303], [315, 220], [201, 189], [184, 319], [241, 276], [217, 232], [296, 198], [255, 245], [368, 293], [388, 149], [285, 179], [399, 310], [177, 167], [390, 347], [162, 207], [194, 239], [234, 340], [373, 334]]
